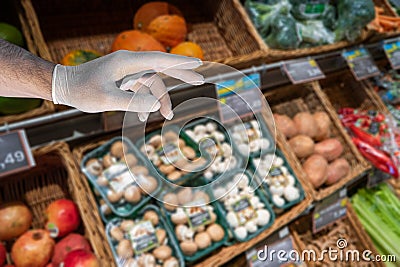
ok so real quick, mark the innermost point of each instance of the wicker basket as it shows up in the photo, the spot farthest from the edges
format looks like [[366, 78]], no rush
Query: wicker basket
[[342, 90], [58, 27], [292, 99], [55, 176], [273, 55], [387, 11], [301, 232], [45, 108]]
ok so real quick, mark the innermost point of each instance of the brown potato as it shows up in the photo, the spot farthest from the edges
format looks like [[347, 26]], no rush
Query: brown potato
[[330, 149], [305, 124], [337, 170], [316, 169], [285, 125], [323, 125], [302, 145]]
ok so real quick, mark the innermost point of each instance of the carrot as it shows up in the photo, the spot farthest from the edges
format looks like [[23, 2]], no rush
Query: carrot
[[379, 10], [389, 18]]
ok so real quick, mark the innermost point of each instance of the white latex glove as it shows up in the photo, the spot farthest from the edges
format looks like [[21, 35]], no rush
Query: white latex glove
[[92, 86]]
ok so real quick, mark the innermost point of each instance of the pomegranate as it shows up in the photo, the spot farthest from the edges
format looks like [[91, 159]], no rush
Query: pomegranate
[[69, 243], [15, 219], [3, 254], [62, 217], [32, 249], [81, 258]]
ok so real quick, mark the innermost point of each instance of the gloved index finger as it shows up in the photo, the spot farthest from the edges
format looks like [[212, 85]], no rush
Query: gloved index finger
[[161, 61]]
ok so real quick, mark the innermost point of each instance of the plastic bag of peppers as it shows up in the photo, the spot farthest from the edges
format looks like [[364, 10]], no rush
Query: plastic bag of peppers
[[376, 137]]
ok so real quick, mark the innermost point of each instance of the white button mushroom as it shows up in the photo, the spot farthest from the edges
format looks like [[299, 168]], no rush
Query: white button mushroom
[[278, 200], [208, 174], [251, 226], [290, 180], [278, 161], [264, 143], [241, 232], [211, 126], [232, 219], [254, 201], [276, 189], [291, 193], [263, 217], [199, 129]]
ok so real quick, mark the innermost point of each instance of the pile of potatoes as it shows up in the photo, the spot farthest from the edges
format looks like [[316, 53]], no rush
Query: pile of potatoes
[[309, 137], [171, 155], [123, 231]]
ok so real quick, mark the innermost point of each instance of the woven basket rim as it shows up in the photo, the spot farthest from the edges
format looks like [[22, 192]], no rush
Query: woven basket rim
[[355, 224], [45, 108]]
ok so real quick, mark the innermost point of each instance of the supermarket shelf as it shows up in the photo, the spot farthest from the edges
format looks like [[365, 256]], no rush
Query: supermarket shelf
[[73, 125]]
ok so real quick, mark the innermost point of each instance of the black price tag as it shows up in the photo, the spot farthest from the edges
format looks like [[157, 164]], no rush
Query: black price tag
[[330, 210], [15, 153], [239, 97], [360, 63], [265, 254], [304, 70], [198, 216], [376, 177], [392, 51]]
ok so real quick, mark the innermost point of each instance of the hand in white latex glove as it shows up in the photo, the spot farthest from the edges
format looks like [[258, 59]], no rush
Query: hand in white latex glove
[[92, 86]]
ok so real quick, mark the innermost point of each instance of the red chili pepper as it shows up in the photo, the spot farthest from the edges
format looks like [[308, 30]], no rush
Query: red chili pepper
[[377, 157], [366, 137], [346, 111], [379, 117]]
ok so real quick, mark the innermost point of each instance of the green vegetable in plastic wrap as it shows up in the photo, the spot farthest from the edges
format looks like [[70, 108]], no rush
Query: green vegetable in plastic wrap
[[353, 16], [329, 17], [314, 32], [283, 33], [308, 9], [263, 13]]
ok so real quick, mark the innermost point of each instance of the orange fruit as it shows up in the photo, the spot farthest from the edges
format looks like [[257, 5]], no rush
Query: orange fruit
[[189, 49]]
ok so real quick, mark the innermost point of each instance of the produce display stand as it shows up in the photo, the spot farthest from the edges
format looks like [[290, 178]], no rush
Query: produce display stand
[[349, 228], [56, 176], [292, 99], [210, 26], [225, 32]]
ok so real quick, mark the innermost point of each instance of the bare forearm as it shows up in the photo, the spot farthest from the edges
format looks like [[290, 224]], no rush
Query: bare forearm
[[23, 74]]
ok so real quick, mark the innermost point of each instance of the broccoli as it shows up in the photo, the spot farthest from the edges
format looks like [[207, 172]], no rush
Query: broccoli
[[353, 16], [283, 33]]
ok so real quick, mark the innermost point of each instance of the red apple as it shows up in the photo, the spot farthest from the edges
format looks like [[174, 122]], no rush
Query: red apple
[[32, 249], [81, 258], [69, 243], [50, 265], [62, 217], [3, 254]]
